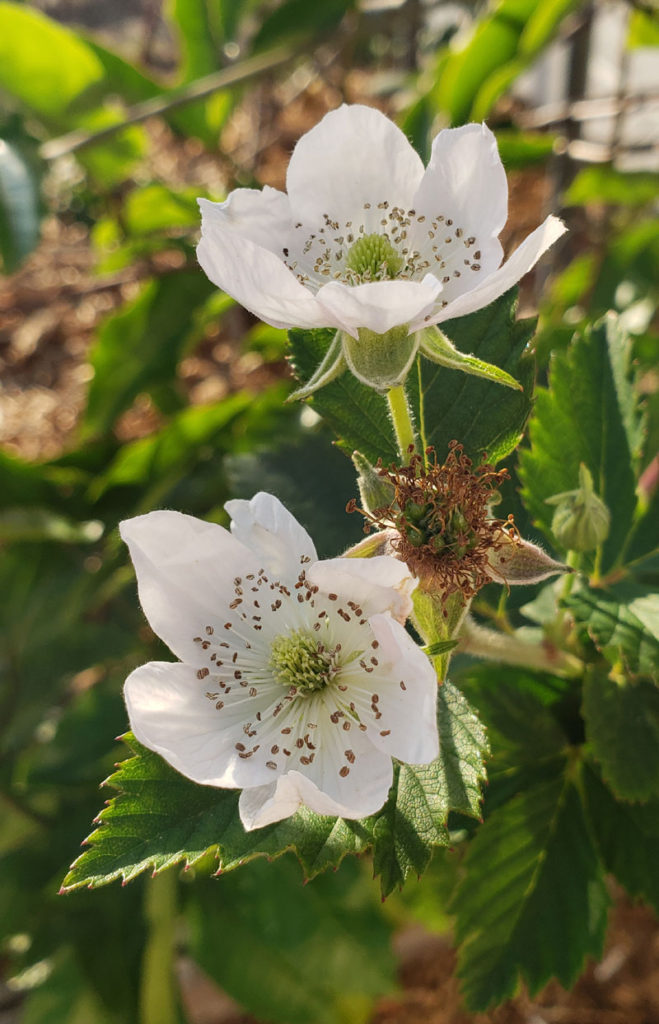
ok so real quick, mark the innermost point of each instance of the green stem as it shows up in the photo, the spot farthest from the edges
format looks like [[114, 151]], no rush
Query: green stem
[[401, 417], [158, 998]]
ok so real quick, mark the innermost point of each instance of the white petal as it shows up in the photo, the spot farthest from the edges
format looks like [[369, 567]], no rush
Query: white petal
[[256, 278], [403, 721], [261, 215], [465, 181], [522, 260], [170, 714], [355, 155], [378, 305], [379, 584], [185, 570], [361, 793], [268, 529]]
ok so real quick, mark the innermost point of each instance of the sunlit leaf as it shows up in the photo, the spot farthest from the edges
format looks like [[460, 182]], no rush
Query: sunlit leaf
[[138, 348], [590, 414]]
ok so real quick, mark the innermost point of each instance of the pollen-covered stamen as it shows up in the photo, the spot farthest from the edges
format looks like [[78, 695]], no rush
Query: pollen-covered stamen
[[382, 242], [299, 659]]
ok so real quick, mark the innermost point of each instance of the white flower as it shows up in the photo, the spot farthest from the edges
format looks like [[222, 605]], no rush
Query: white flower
[[296, 682], [366, 239]]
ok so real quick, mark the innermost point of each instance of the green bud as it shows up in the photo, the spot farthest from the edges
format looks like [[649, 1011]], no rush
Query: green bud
[[375, 491], [581, 521], [380, 361]]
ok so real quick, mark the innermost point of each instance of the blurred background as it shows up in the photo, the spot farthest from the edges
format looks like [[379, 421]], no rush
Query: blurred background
[[129, 383]]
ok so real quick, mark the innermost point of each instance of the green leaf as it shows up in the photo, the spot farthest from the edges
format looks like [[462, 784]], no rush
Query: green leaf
[[542, 24], [298, 19], [296, 955], [516, 706], [198, 24], [603, 184], [622, 728], [313, 480], [156, 208], [64, 996], [623, 622], [34, 523], [493, 42], [627, 837], [200, 36], [482, 415], [412, 821], [155, 465], [356, 413], [19, 207], [524, 149], [533, 902], [161, 818], [643, 28], [139, 347], [589, 414], [49, 68]]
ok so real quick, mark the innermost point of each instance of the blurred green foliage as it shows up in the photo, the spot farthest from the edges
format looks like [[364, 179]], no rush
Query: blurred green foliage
[[72, 628]]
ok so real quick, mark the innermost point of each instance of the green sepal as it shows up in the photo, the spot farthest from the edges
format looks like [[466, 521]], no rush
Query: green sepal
[[440, 647], [437, 347], [381, 361], [331, 367]]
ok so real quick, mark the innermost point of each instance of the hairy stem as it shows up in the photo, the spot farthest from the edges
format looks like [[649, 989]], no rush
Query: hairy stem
[[487, 643], [401, 417]]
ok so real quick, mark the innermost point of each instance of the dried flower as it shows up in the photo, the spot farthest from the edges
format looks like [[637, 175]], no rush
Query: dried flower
[[440, 524]]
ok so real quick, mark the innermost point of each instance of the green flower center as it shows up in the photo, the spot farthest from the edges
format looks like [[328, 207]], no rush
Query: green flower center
[[373, 258], [300, 660]]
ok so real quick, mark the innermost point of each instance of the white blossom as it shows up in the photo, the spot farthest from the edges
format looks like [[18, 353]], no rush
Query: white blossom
[[366, 239], [297, 681]]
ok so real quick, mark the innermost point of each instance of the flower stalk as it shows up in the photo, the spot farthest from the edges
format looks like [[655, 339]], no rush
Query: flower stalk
[[401, 418]]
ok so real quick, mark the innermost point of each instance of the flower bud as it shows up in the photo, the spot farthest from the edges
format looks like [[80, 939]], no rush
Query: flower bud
[[375, 490], [581, 520]]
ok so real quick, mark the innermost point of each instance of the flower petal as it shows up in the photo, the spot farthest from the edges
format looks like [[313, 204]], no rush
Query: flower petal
[[360, 793], [378, 305], [185, 570], [465, 181], [170, 713], [257, 278], [403, 720], [268, 529], [354, 156], [379, 584], [522, 260], [261, 215]]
